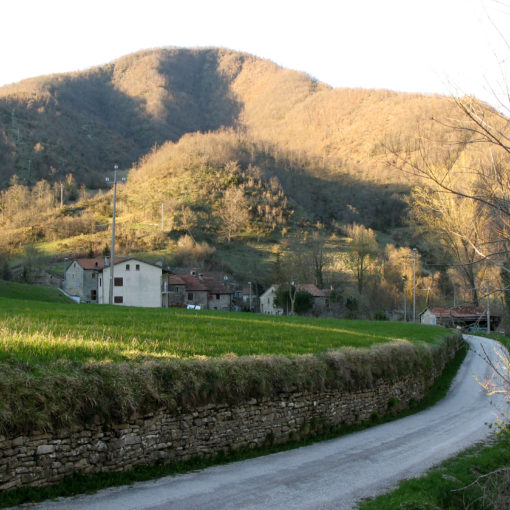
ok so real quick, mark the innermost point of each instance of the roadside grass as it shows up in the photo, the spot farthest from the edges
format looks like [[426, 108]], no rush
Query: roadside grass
[[89, 483], [476, 479], [457, 484]]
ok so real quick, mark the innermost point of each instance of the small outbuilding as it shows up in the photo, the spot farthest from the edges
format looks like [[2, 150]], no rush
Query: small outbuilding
[[464, 317]]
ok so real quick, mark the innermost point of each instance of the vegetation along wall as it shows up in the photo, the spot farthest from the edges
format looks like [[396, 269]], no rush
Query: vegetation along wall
[[187, 408]]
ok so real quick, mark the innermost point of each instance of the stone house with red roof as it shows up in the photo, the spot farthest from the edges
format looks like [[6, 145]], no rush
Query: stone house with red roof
[[173, 291], [204, 290], [81, 278]]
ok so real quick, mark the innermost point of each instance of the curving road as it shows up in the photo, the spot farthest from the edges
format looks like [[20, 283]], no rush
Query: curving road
[[332, 474]]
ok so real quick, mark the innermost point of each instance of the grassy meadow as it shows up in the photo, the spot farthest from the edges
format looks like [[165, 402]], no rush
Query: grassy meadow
[[38, 331], [63, 364]]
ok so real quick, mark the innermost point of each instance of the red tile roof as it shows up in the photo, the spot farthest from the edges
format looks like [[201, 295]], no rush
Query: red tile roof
[[174, 279], [216, 288], [312, 289], [95, 263], [192, 283], [459, 311]]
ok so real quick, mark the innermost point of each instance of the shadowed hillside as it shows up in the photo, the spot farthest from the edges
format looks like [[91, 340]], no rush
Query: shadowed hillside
[[85, 122]]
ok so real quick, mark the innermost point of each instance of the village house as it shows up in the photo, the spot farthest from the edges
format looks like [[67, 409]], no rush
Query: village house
[[208, 290], [173, 291], [81, 278], [135, 283], [195, 291], [320, 299], [139, 283], [266, 301], [465, 317]]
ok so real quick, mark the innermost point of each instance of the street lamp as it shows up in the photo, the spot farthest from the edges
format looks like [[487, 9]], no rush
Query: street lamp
[[413, 256], [249, 284], [404, 279], [112, 249]]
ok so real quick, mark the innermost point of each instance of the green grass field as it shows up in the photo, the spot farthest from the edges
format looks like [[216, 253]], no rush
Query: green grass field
[[41, 331], [65, 365], [60, 362]]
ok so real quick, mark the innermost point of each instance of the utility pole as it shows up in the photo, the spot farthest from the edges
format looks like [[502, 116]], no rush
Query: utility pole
[[112, 249], [249, 284], [404, 279], [413, 256], [488, 309]]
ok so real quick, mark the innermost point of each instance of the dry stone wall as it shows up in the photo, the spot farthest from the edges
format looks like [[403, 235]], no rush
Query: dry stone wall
[[42, 459]]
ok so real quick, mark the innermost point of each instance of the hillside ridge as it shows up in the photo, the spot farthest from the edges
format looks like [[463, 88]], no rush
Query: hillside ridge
[[86, 121]]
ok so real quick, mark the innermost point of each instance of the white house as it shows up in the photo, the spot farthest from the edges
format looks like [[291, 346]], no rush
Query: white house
[[136, 283], [266, 300]]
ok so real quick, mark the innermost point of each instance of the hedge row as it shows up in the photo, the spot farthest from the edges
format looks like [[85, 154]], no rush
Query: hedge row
[[63, 394]]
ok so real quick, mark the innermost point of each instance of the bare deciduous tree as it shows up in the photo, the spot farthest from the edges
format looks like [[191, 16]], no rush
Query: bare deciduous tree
[[361, 250], [234, 212]]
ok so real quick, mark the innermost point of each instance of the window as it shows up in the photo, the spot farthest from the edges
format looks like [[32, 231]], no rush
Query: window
[[217, 296], [93, 294], [190, 296], [118, 282], [127, 267], [100, 281], [118, 299], [93, 276], [137, 267]]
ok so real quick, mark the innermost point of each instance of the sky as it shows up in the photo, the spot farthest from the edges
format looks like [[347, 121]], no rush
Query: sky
[[433, 46]]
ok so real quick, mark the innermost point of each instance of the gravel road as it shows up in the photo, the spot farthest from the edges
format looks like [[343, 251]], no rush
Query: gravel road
[[333, 474]]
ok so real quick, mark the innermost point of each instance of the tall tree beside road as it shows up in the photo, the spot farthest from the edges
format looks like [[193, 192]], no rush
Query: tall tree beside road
[[458, 225]]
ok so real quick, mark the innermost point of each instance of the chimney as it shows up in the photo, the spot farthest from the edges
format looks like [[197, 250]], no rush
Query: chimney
[[106, 261]]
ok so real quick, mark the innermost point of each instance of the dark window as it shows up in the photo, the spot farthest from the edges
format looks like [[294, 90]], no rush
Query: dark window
[[118, 299], [118, 282], [217, 296], [190, 296], [93, 295], [137, 267], [100, 281], [93, 275], [127, 267]]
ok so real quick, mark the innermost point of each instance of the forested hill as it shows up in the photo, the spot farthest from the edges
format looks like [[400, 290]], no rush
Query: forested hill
[[85, 122]]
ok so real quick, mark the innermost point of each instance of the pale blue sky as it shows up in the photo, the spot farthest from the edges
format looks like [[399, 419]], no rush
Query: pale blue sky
[[406, 45]]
